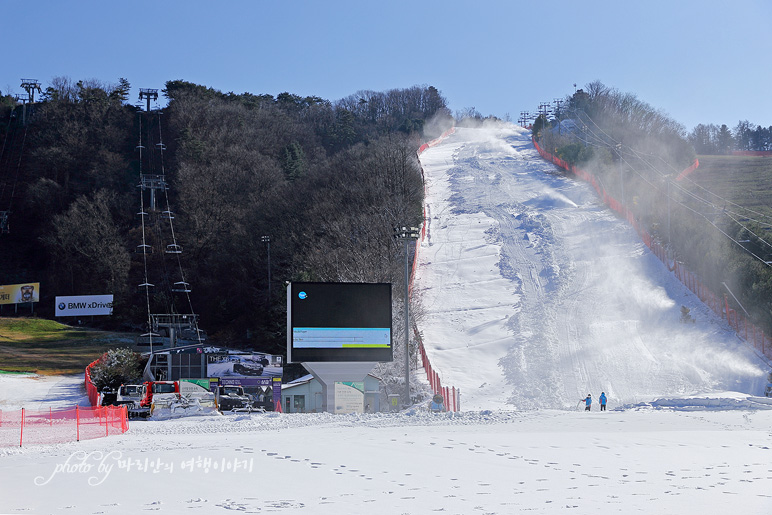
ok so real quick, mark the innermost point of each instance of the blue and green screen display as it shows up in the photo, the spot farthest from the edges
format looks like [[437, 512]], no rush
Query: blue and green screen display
[[339, 322]]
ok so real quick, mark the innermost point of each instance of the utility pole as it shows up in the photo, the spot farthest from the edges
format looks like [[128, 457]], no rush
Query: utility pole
[[544, 110], [557, 103], [407, 234], [525, 118], [267, 240]]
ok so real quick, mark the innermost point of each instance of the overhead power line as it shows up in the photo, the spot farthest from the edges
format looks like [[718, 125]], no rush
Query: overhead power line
[[591, 134]]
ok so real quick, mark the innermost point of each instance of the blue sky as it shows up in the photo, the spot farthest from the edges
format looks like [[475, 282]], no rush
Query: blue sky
[[701, 61]]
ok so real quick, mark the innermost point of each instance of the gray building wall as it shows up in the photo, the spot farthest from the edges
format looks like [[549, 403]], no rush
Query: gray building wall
[[306, 396]]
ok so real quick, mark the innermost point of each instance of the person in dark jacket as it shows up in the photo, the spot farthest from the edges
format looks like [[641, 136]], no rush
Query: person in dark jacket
[[602, 401]]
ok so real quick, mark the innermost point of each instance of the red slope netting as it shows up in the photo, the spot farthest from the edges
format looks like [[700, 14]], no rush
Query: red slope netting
[[30, 427], [688, 170], [720, 305], [93, 394], [450, 395]]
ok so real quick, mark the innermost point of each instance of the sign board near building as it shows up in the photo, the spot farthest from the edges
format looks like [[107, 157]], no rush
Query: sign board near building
[[339, 322], [19, 293], [84, 305], [265, 390], [254, 365], [349, 397]]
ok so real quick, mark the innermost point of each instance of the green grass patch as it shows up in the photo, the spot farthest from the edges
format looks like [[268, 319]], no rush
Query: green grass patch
[[48, 347], [743, 180]]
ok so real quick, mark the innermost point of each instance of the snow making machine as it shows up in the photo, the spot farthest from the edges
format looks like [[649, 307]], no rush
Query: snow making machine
[[166, 399]]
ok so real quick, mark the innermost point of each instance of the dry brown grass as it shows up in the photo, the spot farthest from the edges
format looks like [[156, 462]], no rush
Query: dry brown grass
[[48, 348]]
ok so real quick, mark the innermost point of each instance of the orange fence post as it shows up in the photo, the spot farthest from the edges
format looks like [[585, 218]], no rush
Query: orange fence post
[[21, 430], [77, 423]]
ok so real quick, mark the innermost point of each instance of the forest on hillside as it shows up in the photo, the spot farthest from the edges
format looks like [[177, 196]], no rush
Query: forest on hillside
[[712, 139], [638, 154], [311, 187]]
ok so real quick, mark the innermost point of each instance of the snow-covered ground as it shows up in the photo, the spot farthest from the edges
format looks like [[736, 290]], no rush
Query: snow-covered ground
[[532, 295]]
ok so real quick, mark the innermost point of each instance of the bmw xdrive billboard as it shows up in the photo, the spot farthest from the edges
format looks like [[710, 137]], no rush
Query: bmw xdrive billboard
[[84, 305], [339, 322]]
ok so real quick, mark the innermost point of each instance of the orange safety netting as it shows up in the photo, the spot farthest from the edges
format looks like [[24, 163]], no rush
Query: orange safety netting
[[29, 427], [450, 395], [744, 328], [93, 395]]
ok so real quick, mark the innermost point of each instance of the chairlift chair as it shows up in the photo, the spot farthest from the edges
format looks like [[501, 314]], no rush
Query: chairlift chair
[[144, 249], [168, 215], [181, 287], [148, 287], [173, 248], [146, 338]]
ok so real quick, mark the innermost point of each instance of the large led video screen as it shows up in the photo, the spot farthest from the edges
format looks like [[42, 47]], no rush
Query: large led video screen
[[339, 322]]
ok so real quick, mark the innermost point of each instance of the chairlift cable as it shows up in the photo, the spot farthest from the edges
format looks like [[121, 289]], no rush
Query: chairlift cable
[[677, 186], [144, 242], [8, 158], [600, 142], [18, 167], [185, 287], [5, 142], [603, 144]]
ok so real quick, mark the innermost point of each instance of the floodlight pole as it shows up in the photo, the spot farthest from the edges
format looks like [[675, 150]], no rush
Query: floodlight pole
[[407, 234]]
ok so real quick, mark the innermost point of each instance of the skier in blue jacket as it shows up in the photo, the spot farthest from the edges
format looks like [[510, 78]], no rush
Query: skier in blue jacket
[[602, 401], [588, 402]]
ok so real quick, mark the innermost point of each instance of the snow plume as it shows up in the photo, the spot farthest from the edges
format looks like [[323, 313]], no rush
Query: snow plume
[[534, 293], [437, 124]]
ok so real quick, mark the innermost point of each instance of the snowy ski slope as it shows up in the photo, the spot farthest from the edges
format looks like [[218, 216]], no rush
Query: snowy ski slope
[[533, 294]]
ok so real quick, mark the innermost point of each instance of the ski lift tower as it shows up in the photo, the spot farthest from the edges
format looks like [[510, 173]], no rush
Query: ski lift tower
[[173, 323], [30, 86], [148, 94], [153, 182]]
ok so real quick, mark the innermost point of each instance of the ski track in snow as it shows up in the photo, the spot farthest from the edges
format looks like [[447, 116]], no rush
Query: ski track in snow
[[644, 458], [530, 283]]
